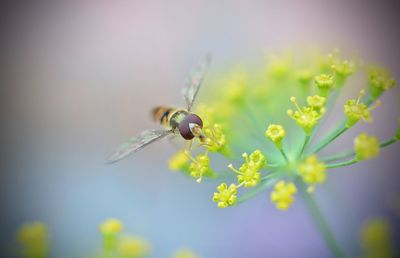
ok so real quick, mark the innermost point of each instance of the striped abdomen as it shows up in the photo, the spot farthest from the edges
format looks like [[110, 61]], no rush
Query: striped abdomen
[[170, 117]]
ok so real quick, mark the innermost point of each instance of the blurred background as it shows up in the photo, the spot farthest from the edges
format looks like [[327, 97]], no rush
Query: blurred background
[[79, 78]]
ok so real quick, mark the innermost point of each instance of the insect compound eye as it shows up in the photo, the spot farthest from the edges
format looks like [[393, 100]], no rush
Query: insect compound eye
[[184, 126]]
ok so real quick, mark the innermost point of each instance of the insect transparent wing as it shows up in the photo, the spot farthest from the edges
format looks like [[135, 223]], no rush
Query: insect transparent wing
[[136, 143], [194, 80]]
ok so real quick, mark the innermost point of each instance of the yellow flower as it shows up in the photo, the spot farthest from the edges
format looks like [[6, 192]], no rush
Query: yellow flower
[[111, 227], [34, 240], [275, 133], [236, 86], [279, 66], [343, 68], [317, 102], [324, 83], [304, 76], [185, 253], [226, 196], [312, 171], [366, 147], [355, 110], [133, 247], [248, 174], [380, 80], [282, 195], [200, 166], [215, 138], [376, 239], [178, 162], [306, 117]]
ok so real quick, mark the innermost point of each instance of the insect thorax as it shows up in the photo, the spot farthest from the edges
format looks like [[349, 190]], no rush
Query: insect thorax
[[176, 117]]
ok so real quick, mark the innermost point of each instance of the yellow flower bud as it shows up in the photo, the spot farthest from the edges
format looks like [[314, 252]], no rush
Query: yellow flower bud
[[366, 147], [282, 195], [276, 133], [312, 171], [111, 227], [131, 246], [178, 162]]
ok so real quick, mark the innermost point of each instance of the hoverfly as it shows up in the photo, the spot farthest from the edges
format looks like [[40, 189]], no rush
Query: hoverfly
[[176, 120]]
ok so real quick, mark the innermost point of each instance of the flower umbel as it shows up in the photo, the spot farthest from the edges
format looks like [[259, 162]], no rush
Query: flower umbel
[[366, 147], [355, 110], [200, 166], [312, 171], [276, 133], [226, 196], [179, 161], [306, 117], [380, 80], [34, 240], [282, 195], [324, 83], [248, 173]]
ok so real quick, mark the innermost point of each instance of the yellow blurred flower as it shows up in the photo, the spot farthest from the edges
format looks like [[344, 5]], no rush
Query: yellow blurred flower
[[282, 195], [133, 247], [376, 239], [185, 253], [312, 171], [34, 240], [366, 147], [111, 227], [179, 161]]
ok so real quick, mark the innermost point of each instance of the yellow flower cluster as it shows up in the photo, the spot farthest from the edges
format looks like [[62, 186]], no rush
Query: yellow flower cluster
[[366, 147], [308, 116], [312, 171], [380, 80], [324, 83], [34, 240], [122, 246], [179, 161], [282, 195], [200, 166], [226, 196], [376, 239], [185, 253], [276, 133], [355, 110], [215, 138], [133, 247], [248, 173]]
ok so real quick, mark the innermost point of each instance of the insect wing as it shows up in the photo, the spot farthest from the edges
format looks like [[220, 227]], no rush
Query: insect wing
[[137, 142], [194, 80]]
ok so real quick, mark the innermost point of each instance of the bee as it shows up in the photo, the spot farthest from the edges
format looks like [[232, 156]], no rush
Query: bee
[[177, 121]]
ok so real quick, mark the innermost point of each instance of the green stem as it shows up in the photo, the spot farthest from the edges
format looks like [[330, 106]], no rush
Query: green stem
[[284, 155], [342, 164], [321, 223], [306, 141], [387, 143], [330, 138], [350, 153], [258, 189]]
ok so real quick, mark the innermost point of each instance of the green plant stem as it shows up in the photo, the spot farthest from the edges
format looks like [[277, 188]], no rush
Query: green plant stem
[[305, 143], [284, 155], [342, 164], [267, 182], [351, 153], [321, 223], [330, 138]]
